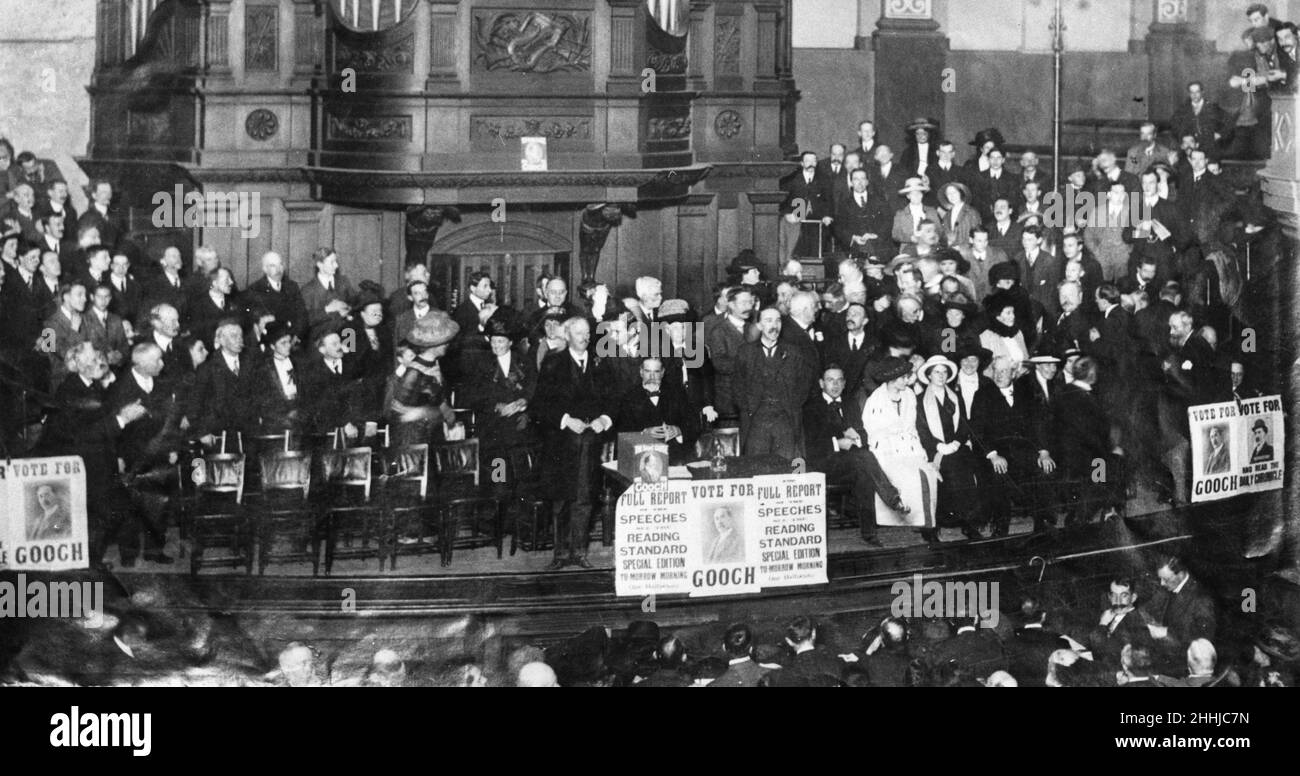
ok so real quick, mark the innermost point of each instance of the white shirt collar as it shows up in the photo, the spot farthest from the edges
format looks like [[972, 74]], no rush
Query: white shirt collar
[[162, 340], [231, 360], [144, 381]]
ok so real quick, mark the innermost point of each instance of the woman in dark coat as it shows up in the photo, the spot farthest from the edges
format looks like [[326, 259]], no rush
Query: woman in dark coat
[[942, 425]]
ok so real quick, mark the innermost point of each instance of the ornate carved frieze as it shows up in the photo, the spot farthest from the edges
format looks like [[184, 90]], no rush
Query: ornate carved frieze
[[552, 128], [669, 127], [395, 57], [369, 128], [532, 41]]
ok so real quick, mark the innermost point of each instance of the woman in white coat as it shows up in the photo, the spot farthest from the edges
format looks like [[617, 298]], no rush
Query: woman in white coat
[[889, 418]]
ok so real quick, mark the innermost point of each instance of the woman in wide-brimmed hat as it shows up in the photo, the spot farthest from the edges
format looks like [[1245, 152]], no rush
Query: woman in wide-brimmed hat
[[417, 397], [985, 141], [944, 431], [908, 218], [889, 417], [922, 146], [958, 216], [1003, 336]]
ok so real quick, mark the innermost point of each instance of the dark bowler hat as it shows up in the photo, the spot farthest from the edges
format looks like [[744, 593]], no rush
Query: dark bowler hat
[[1259, 425], [744, 261], [890, 368], [642, 630], [895, 335], [960, 302]]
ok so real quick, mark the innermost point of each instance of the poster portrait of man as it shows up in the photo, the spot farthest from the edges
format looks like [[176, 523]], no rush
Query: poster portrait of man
[[1261, 451], [48, 514], [651, 467], [1217, 459], [724, 537], [534, 154]]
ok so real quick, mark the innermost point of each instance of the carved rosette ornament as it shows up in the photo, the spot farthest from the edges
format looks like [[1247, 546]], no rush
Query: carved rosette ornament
[[728, 124], [261, 124]]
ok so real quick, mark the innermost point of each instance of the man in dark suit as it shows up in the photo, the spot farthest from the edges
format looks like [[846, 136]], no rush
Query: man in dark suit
[[842, 184], [572, 407], [53, 237], [1029, 170], [555, 299], [1181, 610], [862, 219], [725, 341], [37, 173], [327, 389], [922, 152], [52, 199], [800, 330], [1260, 450], [1110, 343], [1082, 438], [971, 648], [473, 313], [329, 295], [279, 295], [742, 669], [945, 170], [98, 261], [811, 664], [21, 301], [1004, 230], [832, 168], [223, 397], [1160, 233], [1040, 271], [805, 204], [1030, 645], [1109, 172], [211, 308], [146, 445], [851, 348], [660, 409], [102, 216], [1199, 117], [166, 287], [1013, 447], [1069, 328], [995, 183], [833, 444], [1122, 623], [127, 291], [1202, 194], [772, 382], [888, 177]]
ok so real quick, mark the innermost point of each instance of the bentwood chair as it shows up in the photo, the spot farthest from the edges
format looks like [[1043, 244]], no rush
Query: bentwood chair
[[348, 510], [411, 520], [288, 528], [218, 517]]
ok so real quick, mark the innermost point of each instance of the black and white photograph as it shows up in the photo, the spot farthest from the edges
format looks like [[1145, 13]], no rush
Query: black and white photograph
[[666, 343], [49, 517]]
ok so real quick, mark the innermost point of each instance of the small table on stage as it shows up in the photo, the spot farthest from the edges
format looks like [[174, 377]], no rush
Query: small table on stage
[[739, 467]]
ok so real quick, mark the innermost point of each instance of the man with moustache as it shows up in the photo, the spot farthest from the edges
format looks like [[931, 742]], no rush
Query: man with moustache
[[572, 408], [772, 382], [660, 409]]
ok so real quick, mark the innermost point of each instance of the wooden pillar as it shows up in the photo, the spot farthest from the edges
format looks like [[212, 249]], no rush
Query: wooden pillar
[[910, 56]]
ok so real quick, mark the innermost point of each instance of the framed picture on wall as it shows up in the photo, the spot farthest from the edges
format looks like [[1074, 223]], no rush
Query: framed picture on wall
[[534, 154]]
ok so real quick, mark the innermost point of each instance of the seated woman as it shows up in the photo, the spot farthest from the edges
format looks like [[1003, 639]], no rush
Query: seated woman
[[1003, 336], [943, 430], [889, 418]]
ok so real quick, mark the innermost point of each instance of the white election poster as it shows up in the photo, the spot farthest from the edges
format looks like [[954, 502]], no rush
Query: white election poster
[[43, 519], [1236, 448], [721, 537]]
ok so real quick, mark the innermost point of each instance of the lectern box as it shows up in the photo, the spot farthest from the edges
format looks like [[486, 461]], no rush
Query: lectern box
[[642, 458]]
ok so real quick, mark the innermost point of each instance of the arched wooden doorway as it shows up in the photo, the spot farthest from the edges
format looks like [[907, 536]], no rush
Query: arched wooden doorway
[[514, 253]]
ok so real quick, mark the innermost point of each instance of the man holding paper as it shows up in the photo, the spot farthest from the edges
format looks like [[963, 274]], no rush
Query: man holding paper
[[1160, 233]]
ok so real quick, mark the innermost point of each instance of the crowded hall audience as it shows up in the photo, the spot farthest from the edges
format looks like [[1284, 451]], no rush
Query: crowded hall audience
[[948, 310]]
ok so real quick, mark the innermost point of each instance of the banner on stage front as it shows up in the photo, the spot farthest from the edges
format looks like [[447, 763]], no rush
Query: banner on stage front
[[1237, 448], [721, 537], [43, 521]]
